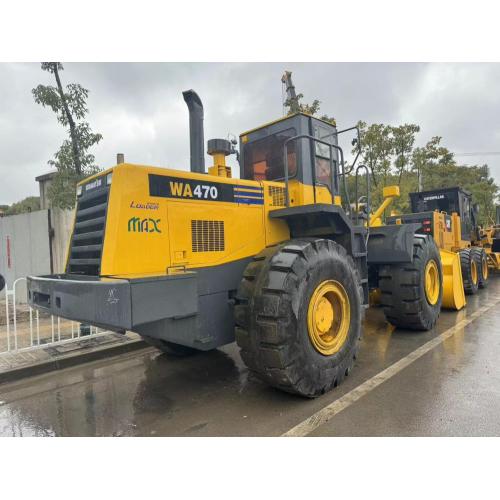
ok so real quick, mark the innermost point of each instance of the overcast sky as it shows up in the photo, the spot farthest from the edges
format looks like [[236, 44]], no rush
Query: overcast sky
[[139, 110]]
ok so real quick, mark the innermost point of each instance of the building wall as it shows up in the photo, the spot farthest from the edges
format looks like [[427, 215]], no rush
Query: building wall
[[24, 247]]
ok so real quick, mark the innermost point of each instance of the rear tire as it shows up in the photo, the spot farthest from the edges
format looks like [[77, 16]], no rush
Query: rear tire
[[403, 288], [481, 259], [470, 272], [272, 315], [170, 348]]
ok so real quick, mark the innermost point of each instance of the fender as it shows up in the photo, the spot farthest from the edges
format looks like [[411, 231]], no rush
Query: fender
[[391, 244]]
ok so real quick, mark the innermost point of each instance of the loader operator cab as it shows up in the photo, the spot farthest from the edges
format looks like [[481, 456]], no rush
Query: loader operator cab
[[305, 140]]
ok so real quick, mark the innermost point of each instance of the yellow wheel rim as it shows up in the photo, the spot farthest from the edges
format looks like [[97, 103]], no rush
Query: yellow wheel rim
[[473, 271], [329, 317], [484, 267], [432, 282]]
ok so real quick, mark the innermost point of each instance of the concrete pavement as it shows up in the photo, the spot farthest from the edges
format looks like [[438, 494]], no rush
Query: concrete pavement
[[452, 389]]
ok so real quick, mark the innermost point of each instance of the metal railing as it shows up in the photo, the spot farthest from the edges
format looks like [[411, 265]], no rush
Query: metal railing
[[26, 328], [368, 200]]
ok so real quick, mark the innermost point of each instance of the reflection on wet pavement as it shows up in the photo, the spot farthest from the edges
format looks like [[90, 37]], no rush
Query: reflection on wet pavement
[[151, 394]]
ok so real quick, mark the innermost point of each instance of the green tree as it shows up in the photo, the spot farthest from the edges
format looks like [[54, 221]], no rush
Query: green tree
[[29, 204], [377, 148], [310, 109], [427, 161], [403, 139], [73, 160]]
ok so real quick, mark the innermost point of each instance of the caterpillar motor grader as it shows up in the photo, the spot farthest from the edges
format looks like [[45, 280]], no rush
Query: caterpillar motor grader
[[449, 215], [275, 259]]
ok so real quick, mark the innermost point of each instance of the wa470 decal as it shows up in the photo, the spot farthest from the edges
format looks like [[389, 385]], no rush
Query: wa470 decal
[[190, 189]]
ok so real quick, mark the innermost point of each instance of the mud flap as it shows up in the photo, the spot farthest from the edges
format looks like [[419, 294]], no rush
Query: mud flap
[[453, 288]]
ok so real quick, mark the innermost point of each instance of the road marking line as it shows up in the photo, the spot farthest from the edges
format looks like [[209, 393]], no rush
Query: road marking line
[[325, 414]]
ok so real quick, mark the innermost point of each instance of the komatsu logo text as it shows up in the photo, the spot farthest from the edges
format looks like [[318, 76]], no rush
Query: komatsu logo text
[[138, 225]]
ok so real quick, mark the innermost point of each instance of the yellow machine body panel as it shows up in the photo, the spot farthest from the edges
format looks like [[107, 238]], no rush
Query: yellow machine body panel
[[197, 220]]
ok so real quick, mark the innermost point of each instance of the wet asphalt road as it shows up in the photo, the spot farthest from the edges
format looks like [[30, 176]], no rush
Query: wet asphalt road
[[452, 390]]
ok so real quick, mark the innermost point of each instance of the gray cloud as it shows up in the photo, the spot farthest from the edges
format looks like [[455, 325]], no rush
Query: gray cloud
[[139, 108]]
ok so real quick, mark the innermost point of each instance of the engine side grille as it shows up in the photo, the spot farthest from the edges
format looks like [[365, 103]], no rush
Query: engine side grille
[[278, 196], [88, 234], [207, 235]]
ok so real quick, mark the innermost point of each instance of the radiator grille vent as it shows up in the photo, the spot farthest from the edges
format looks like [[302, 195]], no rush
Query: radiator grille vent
[[207, 235], [278, 196], [88, 233]]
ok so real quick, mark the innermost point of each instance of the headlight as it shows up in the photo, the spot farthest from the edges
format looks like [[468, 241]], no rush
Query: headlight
[[108, 178], [79, 190]]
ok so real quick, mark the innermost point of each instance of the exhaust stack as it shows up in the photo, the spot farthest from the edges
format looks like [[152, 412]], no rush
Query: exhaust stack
[[196, 136]]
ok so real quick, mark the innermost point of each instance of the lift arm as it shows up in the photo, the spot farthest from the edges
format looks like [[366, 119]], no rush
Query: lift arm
[[389, 193]]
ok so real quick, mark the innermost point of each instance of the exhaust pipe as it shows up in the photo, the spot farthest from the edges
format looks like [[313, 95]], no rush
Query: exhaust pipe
[[196, 136]]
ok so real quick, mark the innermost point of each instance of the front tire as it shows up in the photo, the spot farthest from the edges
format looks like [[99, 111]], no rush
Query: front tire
[[470, 272], [298, 315], [481, 259], [412, 293]]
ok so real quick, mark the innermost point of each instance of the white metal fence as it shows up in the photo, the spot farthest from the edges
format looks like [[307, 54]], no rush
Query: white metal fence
[[25, 328]]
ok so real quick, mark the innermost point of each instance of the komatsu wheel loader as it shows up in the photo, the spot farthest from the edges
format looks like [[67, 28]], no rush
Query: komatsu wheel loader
[[274, 259]]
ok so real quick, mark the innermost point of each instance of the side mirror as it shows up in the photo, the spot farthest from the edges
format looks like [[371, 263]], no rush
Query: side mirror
[[2, 282], [475, 208]]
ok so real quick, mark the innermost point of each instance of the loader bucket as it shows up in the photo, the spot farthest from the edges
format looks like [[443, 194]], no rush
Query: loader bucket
[[453, 288]]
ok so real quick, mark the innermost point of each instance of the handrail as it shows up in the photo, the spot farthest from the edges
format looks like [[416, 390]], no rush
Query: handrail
[[367, 191], [333, 168], [358, 143]]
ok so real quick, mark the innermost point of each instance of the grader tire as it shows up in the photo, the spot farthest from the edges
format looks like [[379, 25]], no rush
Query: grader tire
[[406, 302], [273, 317], [481, 259], [169, 347], [470, 272]]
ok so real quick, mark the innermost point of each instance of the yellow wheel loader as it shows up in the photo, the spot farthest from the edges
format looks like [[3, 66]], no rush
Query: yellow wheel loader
[[274, 259]]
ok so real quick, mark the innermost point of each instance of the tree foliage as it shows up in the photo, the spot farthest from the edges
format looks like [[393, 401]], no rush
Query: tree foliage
[[309, 109], [29, 204], [73, 160], [390, 154]]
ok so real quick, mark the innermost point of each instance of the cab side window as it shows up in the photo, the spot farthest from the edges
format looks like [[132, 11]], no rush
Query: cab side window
[[263, 159], [322, 156]]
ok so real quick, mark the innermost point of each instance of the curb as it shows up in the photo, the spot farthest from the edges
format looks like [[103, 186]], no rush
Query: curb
[[70, 360]]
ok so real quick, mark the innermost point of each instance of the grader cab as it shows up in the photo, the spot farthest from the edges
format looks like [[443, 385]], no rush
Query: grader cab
[[275, 259]]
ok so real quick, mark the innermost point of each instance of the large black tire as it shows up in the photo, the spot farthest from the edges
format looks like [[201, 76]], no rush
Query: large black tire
[[481, 259], [402, 288], [170, 348], [469, 278], [271, 315]]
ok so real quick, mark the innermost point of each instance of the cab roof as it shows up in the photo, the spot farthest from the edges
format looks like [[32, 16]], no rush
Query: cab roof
[[283, 118]]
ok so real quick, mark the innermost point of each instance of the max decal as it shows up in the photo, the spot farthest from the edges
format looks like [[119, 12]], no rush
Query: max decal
[[138, 225]]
